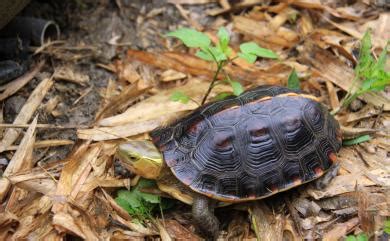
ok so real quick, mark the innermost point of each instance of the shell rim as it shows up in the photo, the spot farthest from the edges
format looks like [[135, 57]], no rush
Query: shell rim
[[236, 199]]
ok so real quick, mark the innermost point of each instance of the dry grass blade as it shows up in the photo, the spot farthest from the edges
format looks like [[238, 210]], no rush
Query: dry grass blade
[[22, 159], [159, 105], [71, 190], [341, 230], [179, 232], [148, 114], [226, 6], [190, 64], [262, 33], [26, 112], [332, 69], [122, 131], [163, 80], [68, 74], [341, 184], [34, 182], [267, 226], [191, 1], [163, 232], [44, 144], [43, 126], [17, 84], [351, 132], [128, 95]]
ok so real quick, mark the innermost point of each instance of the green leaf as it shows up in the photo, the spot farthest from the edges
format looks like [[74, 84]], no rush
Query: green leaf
[[211, 54], [350, 238], [204, 55], [382, 58], [191, 38], [180, 96], [218, 54], [387, 226], [228, 51], [293, 17], [254, 48], [368, 71], [362, 237], [224, 38], [136, 202], [293, 80], [223, 95], [152, 198], [250, 58], [357, 140], [130, 197], [375, 84], [148, 197], [123, 204], [365, 58], [237, 87]]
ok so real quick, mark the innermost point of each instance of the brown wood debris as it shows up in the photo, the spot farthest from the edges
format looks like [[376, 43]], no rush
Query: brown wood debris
[[75, 196]]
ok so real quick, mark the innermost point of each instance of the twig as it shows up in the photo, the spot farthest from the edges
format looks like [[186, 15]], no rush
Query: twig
[[294, 215], [378, 116], [43, 126]]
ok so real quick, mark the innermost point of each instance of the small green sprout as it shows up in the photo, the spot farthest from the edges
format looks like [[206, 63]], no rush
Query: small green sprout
[[359, 237], [356, 140], [293, 80], [220, 54], [387, 227], [370, 74], [250, 51], [180, 96], [137, 203]]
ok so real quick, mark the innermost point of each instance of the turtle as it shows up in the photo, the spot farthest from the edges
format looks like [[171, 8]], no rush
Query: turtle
[[248, 147]]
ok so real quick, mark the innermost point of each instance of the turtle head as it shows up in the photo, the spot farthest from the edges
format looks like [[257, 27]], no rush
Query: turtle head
[[141, 158]]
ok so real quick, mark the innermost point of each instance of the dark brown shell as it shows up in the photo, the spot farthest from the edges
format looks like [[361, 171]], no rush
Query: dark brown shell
[[266, 140]]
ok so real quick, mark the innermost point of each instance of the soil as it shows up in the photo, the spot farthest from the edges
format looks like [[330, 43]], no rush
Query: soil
[[93, 24]]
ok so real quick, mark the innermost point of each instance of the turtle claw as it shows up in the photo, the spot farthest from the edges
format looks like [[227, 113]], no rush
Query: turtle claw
[[204, 218], [324, 181]]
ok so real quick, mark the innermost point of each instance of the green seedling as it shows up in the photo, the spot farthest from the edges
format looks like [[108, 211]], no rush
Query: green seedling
[[356, 140], [359, 237], [293, 80], [180, 96], [370, 74], [137, 203], [386, 229], [220, 55]]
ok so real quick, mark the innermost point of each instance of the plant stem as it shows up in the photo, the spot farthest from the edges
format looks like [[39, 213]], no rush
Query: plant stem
[[346, 101], [215, 78]]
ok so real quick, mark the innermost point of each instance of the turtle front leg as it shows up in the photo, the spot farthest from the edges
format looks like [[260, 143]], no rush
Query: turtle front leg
[[203, 215], [324, 181]]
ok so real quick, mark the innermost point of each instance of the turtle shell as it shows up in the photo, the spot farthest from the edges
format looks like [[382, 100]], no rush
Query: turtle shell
[[266, 140]]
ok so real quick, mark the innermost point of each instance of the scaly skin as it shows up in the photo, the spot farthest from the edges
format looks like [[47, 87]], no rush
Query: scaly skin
[[204, 218]]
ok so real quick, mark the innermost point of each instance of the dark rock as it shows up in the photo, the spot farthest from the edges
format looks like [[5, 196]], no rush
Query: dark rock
[[12, 107]]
